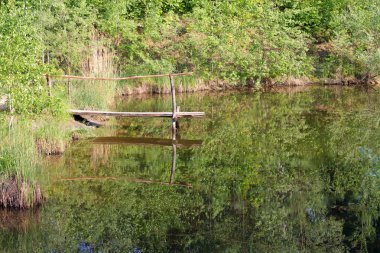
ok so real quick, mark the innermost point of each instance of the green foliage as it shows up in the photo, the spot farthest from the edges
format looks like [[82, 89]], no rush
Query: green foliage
[[21, 68], [242, 42], [101, 96], [247, 42], [18, 153], [212, 40], [66, 29], [355, 46], [314, 17]]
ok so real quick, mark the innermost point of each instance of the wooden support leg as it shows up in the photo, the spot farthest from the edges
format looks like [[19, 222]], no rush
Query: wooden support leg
[[174, 129], [174, 109], [68, 89]]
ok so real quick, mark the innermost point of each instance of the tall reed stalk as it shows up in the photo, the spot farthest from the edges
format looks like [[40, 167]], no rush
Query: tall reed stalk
[[19, 162]]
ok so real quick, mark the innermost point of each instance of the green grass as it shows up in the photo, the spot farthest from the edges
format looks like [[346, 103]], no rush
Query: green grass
[[84, 94], [24, 143], [98, 95], [51, 135], [18, 155]]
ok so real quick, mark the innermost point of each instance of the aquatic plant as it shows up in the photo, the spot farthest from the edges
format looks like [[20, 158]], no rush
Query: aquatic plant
[[51, 135], [96, 95], [19, 163]]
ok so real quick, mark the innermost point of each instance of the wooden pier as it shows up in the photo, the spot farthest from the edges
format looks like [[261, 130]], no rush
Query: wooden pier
[[138, 114], [175, 114]]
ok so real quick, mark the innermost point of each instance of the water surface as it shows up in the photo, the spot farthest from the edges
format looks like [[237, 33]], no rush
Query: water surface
[[288, 171]]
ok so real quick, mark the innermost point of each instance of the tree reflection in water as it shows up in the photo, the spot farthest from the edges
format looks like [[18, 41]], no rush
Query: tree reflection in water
[[276, 172]]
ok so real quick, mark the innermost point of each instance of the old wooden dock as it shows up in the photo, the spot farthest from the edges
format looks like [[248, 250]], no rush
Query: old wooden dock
[[138, 114], [175, 114]]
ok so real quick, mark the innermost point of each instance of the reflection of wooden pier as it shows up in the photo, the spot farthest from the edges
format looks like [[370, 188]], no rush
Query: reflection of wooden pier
[[153, 142], [146, 141], [143, 142], [175, 114]]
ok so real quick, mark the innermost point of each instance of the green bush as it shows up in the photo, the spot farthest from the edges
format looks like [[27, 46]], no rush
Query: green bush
[[242, 42], [356, 44], [21, 67]]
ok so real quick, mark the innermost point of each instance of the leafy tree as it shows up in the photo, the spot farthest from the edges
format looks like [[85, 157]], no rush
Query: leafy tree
[[21, 66], [355, 46]]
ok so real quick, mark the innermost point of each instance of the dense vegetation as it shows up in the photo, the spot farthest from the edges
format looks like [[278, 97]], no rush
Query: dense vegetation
[[240, 42]]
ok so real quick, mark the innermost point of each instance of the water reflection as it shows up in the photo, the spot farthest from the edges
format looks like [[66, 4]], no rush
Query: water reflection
[[133, 141], [276, 172], [146, 141], [174, 143], [19, 221]]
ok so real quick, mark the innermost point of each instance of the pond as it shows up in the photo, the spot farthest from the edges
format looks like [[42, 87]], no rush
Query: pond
[[281, 171]]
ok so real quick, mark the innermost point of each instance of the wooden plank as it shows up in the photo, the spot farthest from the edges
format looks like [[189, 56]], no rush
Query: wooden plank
[[145, 141], [138, 114], [118, 78]]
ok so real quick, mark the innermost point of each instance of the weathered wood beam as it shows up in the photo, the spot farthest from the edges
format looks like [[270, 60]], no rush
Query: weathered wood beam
[[138, 114], [117, 78], [174, 109]]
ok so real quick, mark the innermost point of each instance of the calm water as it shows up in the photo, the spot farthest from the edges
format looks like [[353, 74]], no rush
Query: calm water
[[289, 171]]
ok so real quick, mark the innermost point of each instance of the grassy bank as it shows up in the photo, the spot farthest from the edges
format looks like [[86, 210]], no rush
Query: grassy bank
[[18, 165], [24, 144]]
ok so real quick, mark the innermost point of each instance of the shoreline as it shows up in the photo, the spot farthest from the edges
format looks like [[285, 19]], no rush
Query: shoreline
[[219, 86]]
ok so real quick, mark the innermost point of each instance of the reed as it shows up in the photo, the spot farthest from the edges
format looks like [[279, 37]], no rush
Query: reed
[[19, 162], [51, 135], [159, 85]]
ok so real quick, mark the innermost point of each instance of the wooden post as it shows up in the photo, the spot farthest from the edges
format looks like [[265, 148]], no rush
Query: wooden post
[[49, 83], [68, 89], [174, 109]]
